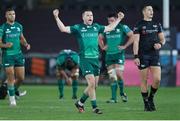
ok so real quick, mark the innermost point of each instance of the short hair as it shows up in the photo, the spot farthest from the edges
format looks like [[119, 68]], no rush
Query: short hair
[[145, 5], [113, 14], [85, 10], [9, 9]]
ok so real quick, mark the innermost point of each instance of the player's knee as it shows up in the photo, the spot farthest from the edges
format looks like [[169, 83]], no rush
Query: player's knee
[[112, 74], [119, 75], [119, 71], [92, 85], [75, 75], [144, 86], [20, 78], [157, 80]]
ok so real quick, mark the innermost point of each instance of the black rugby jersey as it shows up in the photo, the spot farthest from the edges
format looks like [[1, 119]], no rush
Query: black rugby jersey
[[148, 31]]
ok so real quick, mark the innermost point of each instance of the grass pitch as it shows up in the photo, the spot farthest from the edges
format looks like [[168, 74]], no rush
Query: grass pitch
[[41, 102]]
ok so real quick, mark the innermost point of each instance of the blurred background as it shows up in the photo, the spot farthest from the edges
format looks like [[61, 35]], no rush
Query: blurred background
[[46, 40]]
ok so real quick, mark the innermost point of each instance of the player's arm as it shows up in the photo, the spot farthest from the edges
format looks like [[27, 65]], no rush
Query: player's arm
[[161, 37], [24, 42], [111, 26], [5, 45], [101, 42], [161, 42], [136, 38], [60, 24], [68, 80], [129, 42]]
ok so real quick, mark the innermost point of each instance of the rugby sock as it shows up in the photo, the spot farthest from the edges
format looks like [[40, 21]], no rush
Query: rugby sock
[[114, 90], [11, 90], [152, 93], [74, 87], [61, 87], [93, 104], [83, 98], [145, 97], [121, 87]]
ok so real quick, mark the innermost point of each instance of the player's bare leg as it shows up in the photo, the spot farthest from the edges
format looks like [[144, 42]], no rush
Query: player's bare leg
[[74, 77], [90, 91], [120, 80], [20, 75], [144, 88], [11, 81], [113, 78], [60, 78], [156, 72]]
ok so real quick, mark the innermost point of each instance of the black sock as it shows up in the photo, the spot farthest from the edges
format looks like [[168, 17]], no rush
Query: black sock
[[145, 97], [152, 93]]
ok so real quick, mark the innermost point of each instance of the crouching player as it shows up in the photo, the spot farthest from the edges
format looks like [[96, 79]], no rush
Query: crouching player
[[67, 69]]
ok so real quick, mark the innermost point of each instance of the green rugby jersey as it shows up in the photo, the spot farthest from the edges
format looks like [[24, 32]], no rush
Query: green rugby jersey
[[11, 33], [87, 36], [65, 54], [115, 38]]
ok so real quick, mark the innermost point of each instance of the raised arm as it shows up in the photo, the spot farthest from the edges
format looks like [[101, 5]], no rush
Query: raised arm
[[60, 24], [111, 26]]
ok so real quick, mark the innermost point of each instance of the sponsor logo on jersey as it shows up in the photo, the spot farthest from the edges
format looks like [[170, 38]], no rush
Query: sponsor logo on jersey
[[6, 64], [155, 26], [13, 27], [95, 29], [8, 31], [142, 65], [107, 32], [87, 71], [89, 26], [83, 30], [143, 27], [18, 29], [120, 61], [117, 30], [135, 28]]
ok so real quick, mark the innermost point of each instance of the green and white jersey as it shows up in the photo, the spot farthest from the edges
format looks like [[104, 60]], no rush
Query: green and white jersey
[[87, 36], [11, 33], [115, 38], [64, 54]]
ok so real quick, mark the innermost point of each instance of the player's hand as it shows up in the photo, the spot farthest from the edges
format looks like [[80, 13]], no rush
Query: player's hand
[[157, 46], [69, 81], [105, 47], [122, 47], [120, 15], [56, 13], [137, 61], [8, 45], [28, 46]]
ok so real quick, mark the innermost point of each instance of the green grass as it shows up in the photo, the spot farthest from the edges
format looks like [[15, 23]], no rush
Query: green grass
[[42, 102]]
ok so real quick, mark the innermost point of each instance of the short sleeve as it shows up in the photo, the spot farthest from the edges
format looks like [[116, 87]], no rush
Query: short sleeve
[[100, 28], [74, 28], [160, 28], [1, 32], [21, 28], [126, 29], [136, 29]]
